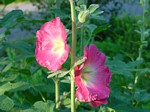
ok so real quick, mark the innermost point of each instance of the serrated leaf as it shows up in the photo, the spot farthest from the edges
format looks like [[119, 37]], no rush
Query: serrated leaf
[[6, 103], [93, 7]]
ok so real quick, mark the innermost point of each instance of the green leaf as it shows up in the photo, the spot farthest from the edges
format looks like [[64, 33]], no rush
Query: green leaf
[[53, 74], [7, 67], [2, 37], [77, 8], [120, 67], [100, 29], [30, 110], [18, 86], [93, 7], [83, 7], [142, 96], [60, 73], [91, 27], [78, 62], [7, 78], [63, 73], [11, 19], [6, 103], [66, 102], [48, 106]]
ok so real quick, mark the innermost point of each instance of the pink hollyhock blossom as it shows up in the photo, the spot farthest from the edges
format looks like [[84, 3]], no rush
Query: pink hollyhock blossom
[[92, 78], [51, 46]]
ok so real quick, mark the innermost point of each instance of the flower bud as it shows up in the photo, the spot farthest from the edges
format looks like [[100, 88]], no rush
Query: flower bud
[[83, 16]]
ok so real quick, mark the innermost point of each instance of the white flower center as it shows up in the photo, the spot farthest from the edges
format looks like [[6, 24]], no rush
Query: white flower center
[[58, 46], [87, 74]]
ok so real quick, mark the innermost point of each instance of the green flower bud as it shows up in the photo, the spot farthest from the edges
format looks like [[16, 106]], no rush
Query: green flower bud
[[83, 16]]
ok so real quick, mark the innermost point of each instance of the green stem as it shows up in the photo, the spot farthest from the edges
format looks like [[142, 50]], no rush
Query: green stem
[[142, 39], [73, 18], [42, 96], [82, 38], [73, 53], [72, 92], [57, 95]]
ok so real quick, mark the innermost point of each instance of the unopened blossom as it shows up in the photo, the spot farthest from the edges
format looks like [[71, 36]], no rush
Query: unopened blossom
[[92, 78], [51, 45]]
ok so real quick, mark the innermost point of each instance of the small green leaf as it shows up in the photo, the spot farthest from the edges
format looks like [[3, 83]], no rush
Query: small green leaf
[[77, 8], [63, 73], [66, 102], [53, 74], [60, 73], [6, 103], [92, 8], [78, 62], [83, 7]]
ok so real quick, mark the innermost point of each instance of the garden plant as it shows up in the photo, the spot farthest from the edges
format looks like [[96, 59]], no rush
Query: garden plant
[[74, 58]]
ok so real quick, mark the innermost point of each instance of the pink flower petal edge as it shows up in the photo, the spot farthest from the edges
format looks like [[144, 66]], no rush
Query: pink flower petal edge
[[51, 45], [92, 78]]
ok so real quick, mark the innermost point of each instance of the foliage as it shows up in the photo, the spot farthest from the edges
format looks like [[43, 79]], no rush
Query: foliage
[[24, 85]]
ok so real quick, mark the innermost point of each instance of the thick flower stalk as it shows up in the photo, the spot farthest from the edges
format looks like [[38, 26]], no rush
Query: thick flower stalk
[[92, 78], [51, 45]]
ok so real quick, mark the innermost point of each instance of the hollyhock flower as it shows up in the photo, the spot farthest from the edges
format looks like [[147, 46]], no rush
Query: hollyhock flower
[[51, 46], [92, 78]]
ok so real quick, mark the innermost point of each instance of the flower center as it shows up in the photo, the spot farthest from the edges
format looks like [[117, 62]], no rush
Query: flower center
[[58, 46], [87, 74]]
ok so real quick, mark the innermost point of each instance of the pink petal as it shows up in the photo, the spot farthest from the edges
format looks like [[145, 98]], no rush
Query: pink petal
[[95, 57], [98, 103], [82, 92], [55, 28]]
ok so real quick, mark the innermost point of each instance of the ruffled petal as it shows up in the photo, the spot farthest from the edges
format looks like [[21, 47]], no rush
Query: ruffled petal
[[95, 57], [51, 48], [92, 78], [55, 28]]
